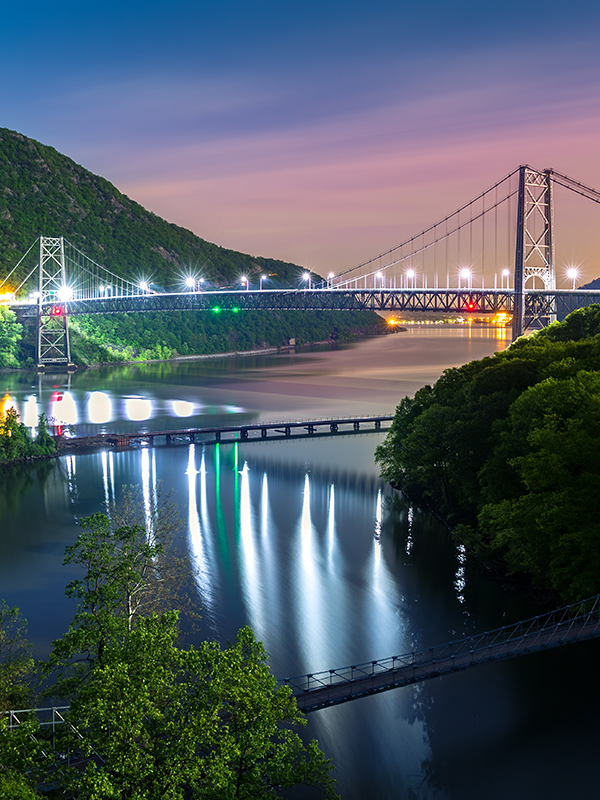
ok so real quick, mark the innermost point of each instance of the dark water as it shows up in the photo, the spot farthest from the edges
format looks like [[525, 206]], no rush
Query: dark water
[[302, 541]]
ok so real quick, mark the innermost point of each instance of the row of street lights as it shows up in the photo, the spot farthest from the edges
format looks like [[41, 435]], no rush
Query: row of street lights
[[465, 276]]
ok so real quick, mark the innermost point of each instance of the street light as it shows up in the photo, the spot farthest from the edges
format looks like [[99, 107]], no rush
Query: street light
[[244, 281], [381, 278], [65, 293], [411, 275], [190, 282], [330, 278], [465, 274], [143, 286], [572, 275], [262, 278], [306, 277], [506, 274]]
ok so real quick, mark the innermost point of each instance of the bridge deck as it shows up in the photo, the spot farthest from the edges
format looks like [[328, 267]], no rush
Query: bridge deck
[[257, 431], [445, 301], [332, 687], [574, 623]]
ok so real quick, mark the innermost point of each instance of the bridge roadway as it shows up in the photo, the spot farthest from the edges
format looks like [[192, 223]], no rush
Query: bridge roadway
[[448, 301], [258, 431], [574, 623]]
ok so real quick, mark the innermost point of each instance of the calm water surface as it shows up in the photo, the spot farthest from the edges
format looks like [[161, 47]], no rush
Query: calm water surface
[[302, 541]]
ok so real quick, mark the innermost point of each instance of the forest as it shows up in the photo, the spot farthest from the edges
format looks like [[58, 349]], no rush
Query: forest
[[109, 338], [507, 451]]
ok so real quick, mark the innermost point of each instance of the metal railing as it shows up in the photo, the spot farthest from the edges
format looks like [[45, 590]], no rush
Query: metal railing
[[565, 625]]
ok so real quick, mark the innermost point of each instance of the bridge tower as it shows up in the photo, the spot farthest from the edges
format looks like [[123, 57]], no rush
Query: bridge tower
[[534, 256], [53, 348]]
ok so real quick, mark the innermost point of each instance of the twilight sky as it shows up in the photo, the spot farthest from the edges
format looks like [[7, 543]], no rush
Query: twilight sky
[[321, 132]]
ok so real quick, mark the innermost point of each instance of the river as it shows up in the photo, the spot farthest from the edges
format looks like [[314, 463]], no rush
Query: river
[[302, 540]]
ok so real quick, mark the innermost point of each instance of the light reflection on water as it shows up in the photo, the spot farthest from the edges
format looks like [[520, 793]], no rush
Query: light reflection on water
[[301, 540]]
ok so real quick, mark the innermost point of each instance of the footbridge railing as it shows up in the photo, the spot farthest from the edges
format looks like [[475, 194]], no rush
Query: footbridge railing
[[573, 623]]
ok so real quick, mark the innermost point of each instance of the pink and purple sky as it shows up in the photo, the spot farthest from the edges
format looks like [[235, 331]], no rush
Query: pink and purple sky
[[319, 132]]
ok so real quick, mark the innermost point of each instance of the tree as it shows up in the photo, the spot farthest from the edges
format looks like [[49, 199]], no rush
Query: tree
[[10, 336], [14, 786], [506, 450], [16, 663], [132, 569], [19, 750], [152, 719], [16, 442], [163, 722], [548, 525]]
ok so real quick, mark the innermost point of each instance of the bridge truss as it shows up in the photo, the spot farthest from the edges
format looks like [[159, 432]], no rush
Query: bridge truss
[[537, 304]]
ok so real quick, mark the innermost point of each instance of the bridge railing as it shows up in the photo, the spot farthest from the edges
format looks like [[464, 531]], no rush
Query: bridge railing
[[578, 620], [48, 717]]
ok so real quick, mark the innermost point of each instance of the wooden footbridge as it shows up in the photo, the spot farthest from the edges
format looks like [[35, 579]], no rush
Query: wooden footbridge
[[573, 623], [258, 431]]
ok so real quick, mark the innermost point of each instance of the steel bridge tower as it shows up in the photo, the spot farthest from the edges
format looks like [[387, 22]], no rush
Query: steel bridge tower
[[53, 348], [534, 256]]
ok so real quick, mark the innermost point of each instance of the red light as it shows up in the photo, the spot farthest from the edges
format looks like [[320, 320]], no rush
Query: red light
[[471, 306], [57, 311]]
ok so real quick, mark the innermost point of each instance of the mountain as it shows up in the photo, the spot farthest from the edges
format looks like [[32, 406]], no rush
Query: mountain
[[43, 192]]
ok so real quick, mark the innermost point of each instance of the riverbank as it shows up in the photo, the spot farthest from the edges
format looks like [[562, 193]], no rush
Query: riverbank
[[258, 351]]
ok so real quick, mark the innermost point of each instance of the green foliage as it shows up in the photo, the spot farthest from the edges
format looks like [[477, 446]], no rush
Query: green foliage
[[132, 567], [14, 786], [149, 718], [130, 337], [16, 442], [16, 663], [506, 449], [189, 723], [549, 527], [10, 336]]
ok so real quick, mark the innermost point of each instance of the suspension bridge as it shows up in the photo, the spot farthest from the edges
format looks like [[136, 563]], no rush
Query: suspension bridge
[[505, 233], [573, 623]]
